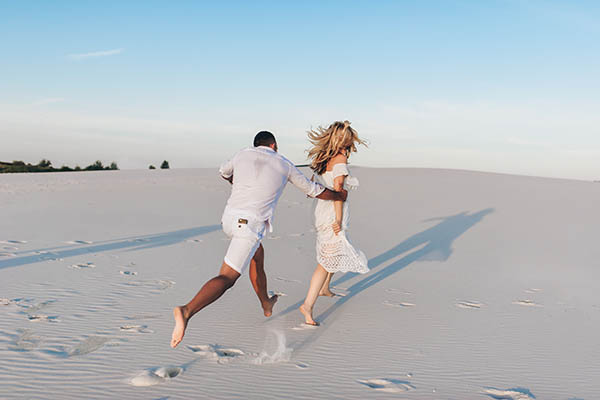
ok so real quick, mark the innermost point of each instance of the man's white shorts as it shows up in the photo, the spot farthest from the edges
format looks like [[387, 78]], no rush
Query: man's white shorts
[[245, 233]]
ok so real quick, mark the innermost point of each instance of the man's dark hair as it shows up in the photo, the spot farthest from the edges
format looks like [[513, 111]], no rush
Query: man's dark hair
[[264, 138]]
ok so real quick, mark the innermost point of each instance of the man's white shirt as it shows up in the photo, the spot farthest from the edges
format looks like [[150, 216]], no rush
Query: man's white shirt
[[259, 177]]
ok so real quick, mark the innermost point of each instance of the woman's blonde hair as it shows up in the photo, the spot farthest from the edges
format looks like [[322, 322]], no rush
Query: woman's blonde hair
[[338, 138]]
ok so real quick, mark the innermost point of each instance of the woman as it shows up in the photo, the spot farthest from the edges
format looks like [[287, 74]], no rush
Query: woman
[[329, 154]]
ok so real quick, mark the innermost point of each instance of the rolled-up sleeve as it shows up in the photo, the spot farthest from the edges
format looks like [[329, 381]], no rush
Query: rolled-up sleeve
[[226, 169], [310, 188]]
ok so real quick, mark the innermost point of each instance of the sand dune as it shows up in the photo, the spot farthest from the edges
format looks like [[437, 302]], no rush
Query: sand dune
[[481, 286]]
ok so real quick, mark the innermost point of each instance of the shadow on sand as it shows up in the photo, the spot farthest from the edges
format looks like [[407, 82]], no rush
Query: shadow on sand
[[130, 243], [433, 244]]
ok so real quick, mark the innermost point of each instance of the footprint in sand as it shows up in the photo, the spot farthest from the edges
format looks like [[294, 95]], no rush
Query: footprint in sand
[[43, 318], [397, 304], [387, 385], [7, 254], [302, 365], [296, 234], [142, 317], [532, 290], [216, 352], [220, 354], [79, 242], [32, 308], [25, 341], [156, 376], [280, 278], [528, 303], [509, 394], [156, 285], [277, 293], [273, 237], [468, 304], [14, 241], [305, 327], [83, 265], [136, 329], [86, 346], [194, 241], [128, 273], [48, 255], [6, 302]]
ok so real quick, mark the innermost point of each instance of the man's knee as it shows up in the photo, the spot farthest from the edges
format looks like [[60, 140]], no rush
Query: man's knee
[[229, 280]]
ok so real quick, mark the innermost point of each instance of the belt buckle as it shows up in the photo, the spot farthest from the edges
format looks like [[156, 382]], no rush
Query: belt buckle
[[242, 221]]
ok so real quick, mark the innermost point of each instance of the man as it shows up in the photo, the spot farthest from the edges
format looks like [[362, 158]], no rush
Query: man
[[260, 177]]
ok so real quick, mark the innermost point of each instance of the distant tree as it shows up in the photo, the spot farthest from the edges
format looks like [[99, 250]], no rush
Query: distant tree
[[152, 167], [113, 166], [77, 168], [17, 163], [45, 163], [97, 166], [66, 168], [164, 165]]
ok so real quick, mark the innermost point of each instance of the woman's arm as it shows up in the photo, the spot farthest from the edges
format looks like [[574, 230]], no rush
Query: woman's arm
[[338, 184]]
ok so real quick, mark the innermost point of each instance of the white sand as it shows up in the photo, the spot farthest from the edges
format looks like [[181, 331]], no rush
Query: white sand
[[482, 286]]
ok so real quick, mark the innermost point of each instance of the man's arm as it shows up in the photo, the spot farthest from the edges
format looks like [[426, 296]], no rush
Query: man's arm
[[331, 195], [313, 189], [226, 171]]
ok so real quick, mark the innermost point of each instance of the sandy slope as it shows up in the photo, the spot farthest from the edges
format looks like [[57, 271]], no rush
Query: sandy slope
[[482, 286]]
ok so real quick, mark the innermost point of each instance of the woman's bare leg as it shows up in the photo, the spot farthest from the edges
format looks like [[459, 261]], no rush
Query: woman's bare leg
[[211, 291], [316, 283], [325, 291]]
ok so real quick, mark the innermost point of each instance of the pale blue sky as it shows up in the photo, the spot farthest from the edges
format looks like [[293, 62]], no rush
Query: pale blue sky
[[506, 86]]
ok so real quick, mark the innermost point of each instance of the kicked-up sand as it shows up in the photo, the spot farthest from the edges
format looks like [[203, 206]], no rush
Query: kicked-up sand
[[481, 286]]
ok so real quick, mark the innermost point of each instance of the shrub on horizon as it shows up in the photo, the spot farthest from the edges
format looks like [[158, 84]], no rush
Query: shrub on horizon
[[164, 165], [45, 163], [151, 167], [97, 166]]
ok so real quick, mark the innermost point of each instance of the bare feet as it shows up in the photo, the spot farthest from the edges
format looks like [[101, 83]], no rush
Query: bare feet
[[268, 306], [180, 325], [327, 293], [308, 316]]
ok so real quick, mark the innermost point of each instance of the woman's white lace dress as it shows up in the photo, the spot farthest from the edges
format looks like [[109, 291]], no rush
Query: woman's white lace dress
[[335, 252]]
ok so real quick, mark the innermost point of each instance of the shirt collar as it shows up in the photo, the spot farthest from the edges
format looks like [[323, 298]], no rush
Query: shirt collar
[[265, 148]]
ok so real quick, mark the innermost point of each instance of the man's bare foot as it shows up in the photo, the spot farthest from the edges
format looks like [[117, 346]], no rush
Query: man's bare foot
[[308, 316], [268, 306], [327, 293], [180, 325]]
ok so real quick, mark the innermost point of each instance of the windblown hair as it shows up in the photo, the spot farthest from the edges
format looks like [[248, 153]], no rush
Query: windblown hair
[[338, 138]]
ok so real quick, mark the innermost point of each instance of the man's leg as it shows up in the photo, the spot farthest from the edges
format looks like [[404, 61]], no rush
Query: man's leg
[[259, 281], [211, 291]]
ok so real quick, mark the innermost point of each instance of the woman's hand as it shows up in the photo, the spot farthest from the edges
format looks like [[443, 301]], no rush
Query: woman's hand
[[337, 227]]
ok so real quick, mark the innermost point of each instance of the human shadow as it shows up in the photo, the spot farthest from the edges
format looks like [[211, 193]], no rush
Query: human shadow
[[433, 244], [130, 244]]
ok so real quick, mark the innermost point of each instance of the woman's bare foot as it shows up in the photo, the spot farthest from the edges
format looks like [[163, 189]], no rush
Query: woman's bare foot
[[268, 306], [180, 325], [308, 316], [327, 293]]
